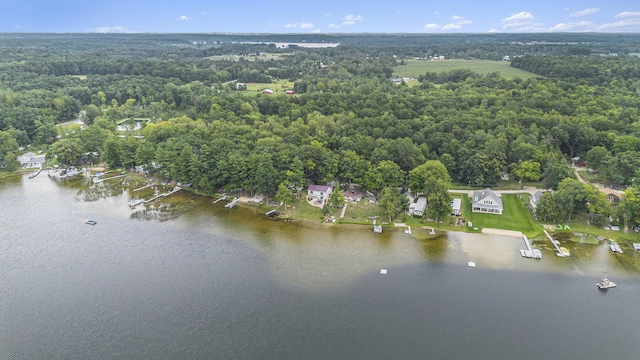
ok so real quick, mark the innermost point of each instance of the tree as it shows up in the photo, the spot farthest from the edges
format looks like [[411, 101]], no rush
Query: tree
[[336, 199], [388, 201], [284, 195], [548, 208], [571, 197], [555, 172], [422, 178], [629, 207], [596, 155], [528, 170], [439, 202], [91, 112], [67, 151]]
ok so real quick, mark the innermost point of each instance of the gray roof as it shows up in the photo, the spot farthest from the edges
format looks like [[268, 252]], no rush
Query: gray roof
[[482, 194], [536, 197]]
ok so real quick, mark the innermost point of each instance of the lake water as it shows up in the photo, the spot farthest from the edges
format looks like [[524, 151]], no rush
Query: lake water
[[190, 279]]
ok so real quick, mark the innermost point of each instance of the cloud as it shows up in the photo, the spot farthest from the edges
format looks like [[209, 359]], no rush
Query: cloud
[[451, 27], [302, 25], [184, 18], [334, 26], [628, 14], [524, 15], [351, 19], [584, 12], [432, 26], [316, 31], [456, 17], [463, 22], [436, 13], [492, 31], [631, 25], [573, 26], [110, 29], [204, 13], [522, 21]]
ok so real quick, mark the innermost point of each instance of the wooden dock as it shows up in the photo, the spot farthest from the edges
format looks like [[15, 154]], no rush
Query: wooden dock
[[222, 198], [144, 187], [530, 252], [36, 173], [176, 189], [113, 177], [556, 244]]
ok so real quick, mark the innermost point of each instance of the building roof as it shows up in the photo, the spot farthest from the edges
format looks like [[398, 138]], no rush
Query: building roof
[[480, 195], [323, 188], [456, 204], [536, 197]]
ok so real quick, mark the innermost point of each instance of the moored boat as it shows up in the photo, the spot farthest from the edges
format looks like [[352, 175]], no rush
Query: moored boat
[[90, 222], [605, 284], [135, 202], [614, 247]]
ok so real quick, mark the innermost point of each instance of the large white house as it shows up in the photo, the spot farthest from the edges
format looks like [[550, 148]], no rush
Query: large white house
[[321, 192], [486, 201]]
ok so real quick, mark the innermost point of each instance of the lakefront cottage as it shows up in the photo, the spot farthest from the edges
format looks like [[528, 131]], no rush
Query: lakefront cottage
[[486, 201], [320, 192]]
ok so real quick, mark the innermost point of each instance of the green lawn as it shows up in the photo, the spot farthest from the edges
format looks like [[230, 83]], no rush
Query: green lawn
[[415, 68], [514, 217]]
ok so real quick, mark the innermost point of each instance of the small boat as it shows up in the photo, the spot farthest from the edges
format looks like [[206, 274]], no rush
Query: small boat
[[565, 251], [614, 247], [377, 229], [605, 284], [471, 264], [90, 222], [135, 202]]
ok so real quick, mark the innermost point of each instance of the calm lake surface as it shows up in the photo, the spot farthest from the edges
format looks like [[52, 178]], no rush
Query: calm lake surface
[[189, 279]]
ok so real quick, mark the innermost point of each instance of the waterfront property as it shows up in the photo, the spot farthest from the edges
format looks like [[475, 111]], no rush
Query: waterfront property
[[320, 192], [486, 201], [534, 199], [416, 208], [456, 207]]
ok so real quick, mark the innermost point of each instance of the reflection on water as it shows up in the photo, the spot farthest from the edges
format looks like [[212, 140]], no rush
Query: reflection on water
[[162, 211]]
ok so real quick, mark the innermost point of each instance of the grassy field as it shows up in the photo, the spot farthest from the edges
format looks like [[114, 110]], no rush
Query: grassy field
[[279, 86], [415, 68], [514, 217]]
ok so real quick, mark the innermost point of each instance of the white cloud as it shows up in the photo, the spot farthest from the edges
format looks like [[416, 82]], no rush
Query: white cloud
[[316, 31], [436, 13], [184, 18], [522, 21], [334, 26], [492, 31], [351, 19], [629, 25], [306, 25], [290, 26], [585, 12], [456, 17], [463, 22], [204, 13], [573, 26], [327, 15], [628, 14], [451, 27], [111, 29], [432, 26], [524, 15]]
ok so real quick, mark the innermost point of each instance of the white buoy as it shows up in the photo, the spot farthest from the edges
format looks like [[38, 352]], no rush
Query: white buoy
[[383, 271], [472, 264]]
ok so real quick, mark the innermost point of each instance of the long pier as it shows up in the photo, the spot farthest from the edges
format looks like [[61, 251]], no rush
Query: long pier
[[36, 173], [113, 177], [162, 195], [222, 198], [530, 252], [144, 187], [556, 244]]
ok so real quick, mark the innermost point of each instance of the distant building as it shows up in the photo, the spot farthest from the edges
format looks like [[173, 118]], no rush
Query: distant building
[[352, 195], [320, 192], [267, 91], [534, 199], [486, 201], [506, 58], [417, 207], [289, 92], [456, 206], [30, 160]]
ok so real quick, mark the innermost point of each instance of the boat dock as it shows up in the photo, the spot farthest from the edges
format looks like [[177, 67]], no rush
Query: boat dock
[[636, 246], [615, 248], [113, 177], [144, 187], [530, 252], [561, 252], [231, 204], [36, 173], [222, 198], [176, 189]]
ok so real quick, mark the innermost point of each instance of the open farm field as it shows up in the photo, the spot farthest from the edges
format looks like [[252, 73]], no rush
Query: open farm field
[[415, 68]]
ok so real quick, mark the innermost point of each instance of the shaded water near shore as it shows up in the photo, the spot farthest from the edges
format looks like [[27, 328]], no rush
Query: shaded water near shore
[[187, 278]]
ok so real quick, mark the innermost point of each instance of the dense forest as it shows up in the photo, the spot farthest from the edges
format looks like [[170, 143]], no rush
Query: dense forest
[[347, 122]]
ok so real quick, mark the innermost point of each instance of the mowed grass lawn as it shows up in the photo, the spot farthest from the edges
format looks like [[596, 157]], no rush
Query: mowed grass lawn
[[415, 68], [514, 217]]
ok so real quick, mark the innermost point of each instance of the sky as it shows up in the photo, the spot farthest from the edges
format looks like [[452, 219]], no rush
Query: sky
[[327, 16]]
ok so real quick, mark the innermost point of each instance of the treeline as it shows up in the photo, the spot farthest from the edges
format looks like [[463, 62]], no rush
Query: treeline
[[595, 69]]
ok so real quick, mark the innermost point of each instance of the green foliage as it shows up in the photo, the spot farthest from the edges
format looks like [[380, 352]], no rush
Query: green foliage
[[388, 202], [336, 198], [528, 171]]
